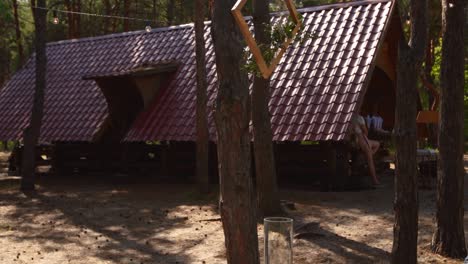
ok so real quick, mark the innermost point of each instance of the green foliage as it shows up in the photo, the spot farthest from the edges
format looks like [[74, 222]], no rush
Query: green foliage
[[5, 15], [307, 3], [310, 143], [279, 34], [437, 62], [153, 142], [7, 145], [436, 77]]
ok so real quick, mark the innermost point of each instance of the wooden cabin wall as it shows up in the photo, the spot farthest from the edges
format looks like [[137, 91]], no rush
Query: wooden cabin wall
[[381, 90], [300, 163], [150, 86], [123, 102], [176, 161], [381, 97]]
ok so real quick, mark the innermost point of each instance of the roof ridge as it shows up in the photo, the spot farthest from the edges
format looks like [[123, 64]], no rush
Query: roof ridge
[[121, 34], [340, 5], [189, 25]]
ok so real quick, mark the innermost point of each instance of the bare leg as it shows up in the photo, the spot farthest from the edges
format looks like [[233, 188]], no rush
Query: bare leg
[[374, 145], [363, 143]]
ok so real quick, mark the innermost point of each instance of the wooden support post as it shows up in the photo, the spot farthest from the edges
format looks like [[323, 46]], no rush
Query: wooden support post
[[213, 164], [338, 166], [165, 160]]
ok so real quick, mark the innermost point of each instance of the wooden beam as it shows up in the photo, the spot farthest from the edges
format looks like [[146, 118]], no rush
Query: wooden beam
[[266, 70]]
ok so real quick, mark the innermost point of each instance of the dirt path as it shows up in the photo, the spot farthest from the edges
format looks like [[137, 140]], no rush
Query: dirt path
[[89, 221]]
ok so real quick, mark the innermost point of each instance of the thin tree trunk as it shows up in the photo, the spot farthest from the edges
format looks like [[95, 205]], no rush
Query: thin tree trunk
[[237, 200], [32, 132], [410, 57], [19, 43], [170, 12], [428, 64], [202, 122], [449, 236], [4, 63], [265, 170], [77, 22], [126, 22], [107, 11], [155, 12], [115, 21], [71, 19]]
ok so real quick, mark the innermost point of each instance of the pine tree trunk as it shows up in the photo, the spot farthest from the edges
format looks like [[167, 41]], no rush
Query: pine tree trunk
[[202, 122], [19, 43], [265, 170], [32, 132], [428, 65], [449, 236], [115, 22], [410, 57], [406, 190], [237, 200], [155, 12], [4, 63], [126, 22], [77, 22], [107, 11], [170, 12], [71, 19]]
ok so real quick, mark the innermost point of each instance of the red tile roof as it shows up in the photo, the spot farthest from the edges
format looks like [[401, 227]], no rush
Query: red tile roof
[[315, 88]]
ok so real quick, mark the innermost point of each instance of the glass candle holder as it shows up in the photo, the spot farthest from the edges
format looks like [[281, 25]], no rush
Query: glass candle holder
[[278, 240]]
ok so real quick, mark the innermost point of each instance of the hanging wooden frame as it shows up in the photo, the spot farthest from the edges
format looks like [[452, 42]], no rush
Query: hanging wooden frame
[[266, 70]]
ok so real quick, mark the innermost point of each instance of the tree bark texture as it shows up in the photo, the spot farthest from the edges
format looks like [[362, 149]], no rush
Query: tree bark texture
[[232, 115], [201, 113], [19, 42], [32, 132], [449, 236], [406, 193], [410, 57], [265, 170]]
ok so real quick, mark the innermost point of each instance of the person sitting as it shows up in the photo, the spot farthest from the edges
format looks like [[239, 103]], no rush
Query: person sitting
[[375, 122], [369, 147]]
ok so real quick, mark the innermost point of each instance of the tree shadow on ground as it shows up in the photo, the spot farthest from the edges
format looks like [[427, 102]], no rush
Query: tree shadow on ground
[[119, 224], [350, 250]]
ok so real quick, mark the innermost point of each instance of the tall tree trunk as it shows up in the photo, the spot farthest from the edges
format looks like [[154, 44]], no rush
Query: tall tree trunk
[[237, 201], [5, 62], [32, 132], [19, 43], [202, 122], [156, 13], [71, 19], [170, 12], [107, 12], [115, 9], [265, 170], [449, 236], [77, 21], [126, 22], [410, 57], [428, 64]]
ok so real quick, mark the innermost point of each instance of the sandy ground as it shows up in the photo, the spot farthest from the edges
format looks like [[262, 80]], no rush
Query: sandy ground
[[86, 220]]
